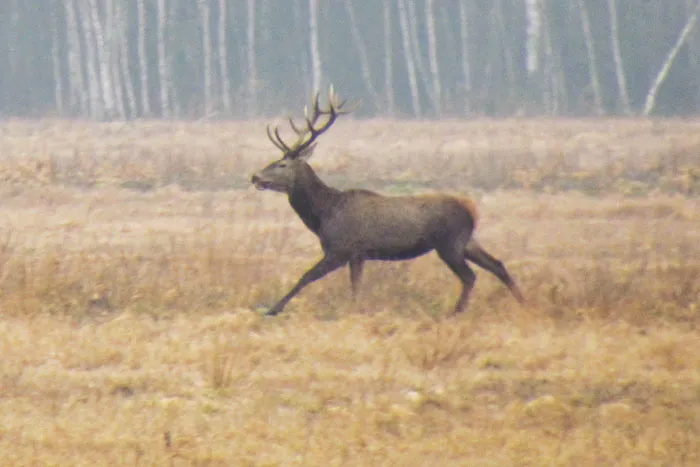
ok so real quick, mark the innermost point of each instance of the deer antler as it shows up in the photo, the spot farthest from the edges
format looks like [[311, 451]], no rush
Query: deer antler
[[307, 136]]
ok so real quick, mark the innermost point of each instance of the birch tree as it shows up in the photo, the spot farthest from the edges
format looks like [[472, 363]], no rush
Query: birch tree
[[432, 56], [56, 40], [592, 58], [415, 46], [121, 30], [205, 18], [316, 64], [97, 110], [103, 60], [223, 57], [408, 56], [252, 79], [388, 59], [538, 80], [143, 59], [650, 101], [163, 68], [534, 30], [78, 91], [111, 46], [617, 57]]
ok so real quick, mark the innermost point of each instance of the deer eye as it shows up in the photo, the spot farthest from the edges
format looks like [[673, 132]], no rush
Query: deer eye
[[282, 164]]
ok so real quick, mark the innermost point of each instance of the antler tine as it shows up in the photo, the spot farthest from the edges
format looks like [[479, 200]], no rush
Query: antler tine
[[333, 100], [279, 144], [338, 104], [283, 147], [340, 107], [297, 130], [315, 109]]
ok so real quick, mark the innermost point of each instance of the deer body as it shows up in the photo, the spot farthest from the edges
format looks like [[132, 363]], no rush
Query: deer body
[[371, 226], [358, 225]]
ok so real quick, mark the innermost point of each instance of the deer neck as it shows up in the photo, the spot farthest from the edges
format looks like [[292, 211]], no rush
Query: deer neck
[[311, 198]]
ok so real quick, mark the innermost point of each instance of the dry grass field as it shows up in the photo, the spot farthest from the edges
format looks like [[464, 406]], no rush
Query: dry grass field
[[136, 260]]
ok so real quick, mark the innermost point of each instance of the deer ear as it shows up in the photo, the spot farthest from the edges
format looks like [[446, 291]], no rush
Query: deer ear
[[306, 152]]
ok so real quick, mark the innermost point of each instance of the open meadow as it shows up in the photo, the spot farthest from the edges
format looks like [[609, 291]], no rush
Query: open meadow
[[136, 261]]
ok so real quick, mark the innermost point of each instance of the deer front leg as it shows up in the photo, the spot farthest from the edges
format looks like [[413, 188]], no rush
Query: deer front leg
[[326, 265]]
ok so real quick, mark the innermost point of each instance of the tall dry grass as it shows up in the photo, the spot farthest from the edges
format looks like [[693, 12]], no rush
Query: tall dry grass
[[135, 261]]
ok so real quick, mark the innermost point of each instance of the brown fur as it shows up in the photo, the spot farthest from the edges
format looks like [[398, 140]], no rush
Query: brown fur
[[467, 203], [470, 205]]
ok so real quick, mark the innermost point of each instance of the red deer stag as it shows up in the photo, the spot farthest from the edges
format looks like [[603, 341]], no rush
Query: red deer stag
[[358, 225]]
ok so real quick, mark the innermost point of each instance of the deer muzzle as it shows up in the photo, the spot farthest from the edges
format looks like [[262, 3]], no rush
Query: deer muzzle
[[259, 183]]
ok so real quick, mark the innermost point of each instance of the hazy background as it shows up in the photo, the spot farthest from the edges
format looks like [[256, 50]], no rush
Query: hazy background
[[111, 59]]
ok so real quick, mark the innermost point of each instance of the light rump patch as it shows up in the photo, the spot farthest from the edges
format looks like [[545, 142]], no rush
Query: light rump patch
[[466, 202], [470, 205]]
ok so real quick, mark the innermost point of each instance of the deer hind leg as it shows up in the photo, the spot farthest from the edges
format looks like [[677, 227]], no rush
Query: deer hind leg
[[477, 255], [326, 265], [356, 268], [459, 266]]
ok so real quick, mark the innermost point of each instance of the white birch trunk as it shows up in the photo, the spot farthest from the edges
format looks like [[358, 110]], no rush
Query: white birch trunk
[[617, 56], [163, 74], [79, 95], [56, 61], [103, 61], [466, 69], [94, 89], [223, 57], [592, 59], [121, 25], [408, 55], [143, 60], [252, 81], [415, 45], [388, 60], [205, 16], [534, 31], [362, 51], [175, 102], [316, 64], [113, 51], [432, 56], [694, 51], [650, 101]]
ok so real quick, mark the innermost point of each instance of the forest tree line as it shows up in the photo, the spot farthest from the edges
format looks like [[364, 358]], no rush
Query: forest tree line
[[126, 59]]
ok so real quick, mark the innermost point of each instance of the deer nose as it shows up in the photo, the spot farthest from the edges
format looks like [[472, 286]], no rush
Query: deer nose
[[254, 179]]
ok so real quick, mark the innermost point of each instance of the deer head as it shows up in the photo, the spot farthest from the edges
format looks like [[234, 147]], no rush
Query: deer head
[[283, 174]]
